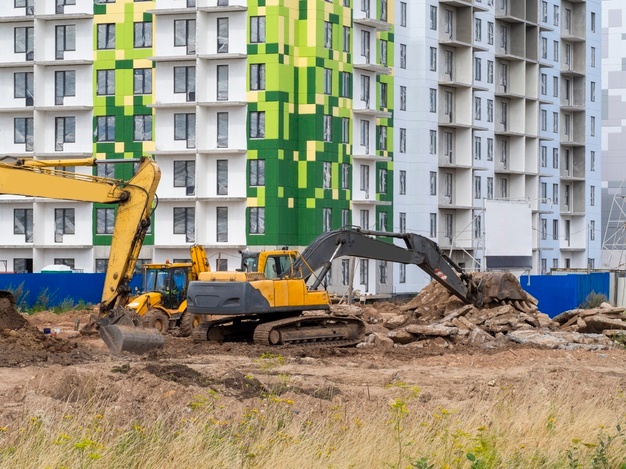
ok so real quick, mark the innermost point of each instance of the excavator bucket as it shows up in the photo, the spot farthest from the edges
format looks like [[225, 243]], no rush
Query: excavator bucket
[[125, 336], [503, 288]]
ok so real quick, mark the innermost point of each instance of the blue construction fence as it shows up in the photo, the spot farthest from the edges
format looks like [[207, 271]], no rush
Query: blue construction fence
[[54, 289], [559, 293]]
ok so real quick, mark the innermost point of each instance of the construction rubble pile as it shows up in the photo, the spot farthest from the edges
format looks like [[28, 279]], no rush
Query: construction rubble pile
[[436, 318]]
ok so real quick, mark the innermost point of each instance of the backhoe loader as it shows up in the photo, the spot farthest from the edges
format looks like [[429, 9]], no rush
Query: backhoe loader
[[266, 302], [116, 325], [163, 301]]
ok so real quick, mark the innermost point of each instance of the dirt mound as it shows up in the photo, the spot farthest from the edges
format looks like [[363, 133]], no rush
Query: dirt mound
[[23, 343]]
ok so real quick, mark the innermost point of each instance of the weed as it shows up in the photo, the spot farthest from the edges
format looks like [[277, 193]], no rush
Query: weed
[[593, 300]]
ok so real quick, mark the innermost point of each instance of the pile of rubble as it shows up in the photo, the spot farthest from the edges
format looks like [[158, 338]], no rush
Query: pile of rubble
[[436, 318]]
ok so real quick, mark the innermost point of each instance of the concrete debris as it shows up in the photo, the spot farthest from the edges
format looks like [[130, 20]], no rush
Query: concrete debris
[[436, 318]]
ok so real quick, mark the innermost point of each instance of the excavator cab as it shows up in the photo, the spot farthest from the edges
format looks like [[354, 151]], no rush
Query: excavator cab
[[168, 280]]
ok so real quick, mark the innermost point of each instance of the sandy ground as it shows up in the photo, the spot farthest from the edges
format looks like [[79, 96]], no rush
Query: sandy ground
[[38, 371]]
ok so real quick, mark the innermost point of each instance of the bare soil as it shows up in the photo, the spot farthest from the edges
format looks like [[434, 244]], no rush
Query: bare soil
[[39, 370]]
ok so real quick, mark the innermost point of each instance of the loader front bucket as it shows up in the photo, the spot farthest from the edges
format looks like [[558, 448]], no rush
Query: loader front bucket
[[130, 338]]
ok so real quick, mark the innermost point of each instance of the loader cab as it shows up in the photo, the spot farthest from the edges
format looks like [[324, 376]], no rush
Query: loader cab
[[170, 281]]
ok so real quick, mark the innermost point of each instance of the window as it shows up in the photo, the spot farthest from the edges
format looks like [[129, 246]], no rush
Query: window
[[222, 83], [257, 29], [365, 219], [556, 15], [68, 261], [185, 128], [185, 35], [477, 69], [433, 18], [490, 33], [142, 81], [433, 59], [345, 130], [257, 220], [593, 56], [222, 224], [544, 119], [477, 187], [365, 179], [65, 39], [23, 131], [65, 131], [555, 158], [142, 130], [222, 177], [383, 95], [433, 225], [143, 34], [544, 156], [326, 175], [402, 222], [345, 271], [592, 228], [592, 91], [489, 187], [477, 148], [403, 14], [328, 35], [544, 48], [106, 36], [257, 172], [383, 53], [328, 81], [185, 81], [105, 220], [433, 142], [555, 122], [433, 183], [257, 77], [365, 45], [257, 124], [345, 90], [592, 161], [478, 30], [489, 71], [328, 126], [490, 149], [105, 82], [345, 176], [382, 181], [544, 191], [24, 41], [593, 22], [185, 175], [555, 230], [555, 51], [489, 110], [592, 195], [402, 182], [544, 11], [365, 135], [222, 35], [383, 10], [402, 140], [555, 86], [23, 86], [23, 223], [433, 100], [327, 219], [64, 223], [64, 85], [364, 272], [382, 221], [477, 108], [544, 84], [449, 227], [592, 126], [346, 39], [403, 98], [555, 193], [382, 137], [345, 217], [478, 226], [184, 223]]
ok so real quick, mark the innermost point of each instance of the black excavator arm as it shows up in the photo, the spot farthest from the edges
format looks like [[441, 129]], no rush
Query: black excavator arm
[[356, 242]]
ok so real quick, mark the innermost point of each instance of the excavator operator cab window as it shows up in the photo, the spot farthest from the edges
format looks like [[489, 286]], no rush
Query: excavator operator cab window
[[271, 270], [249, 264], [277, 266]]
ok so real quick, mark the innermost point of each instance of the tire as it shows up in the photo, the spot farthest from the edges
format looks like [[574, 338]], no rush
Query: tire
[[156, 319], [187, 323]]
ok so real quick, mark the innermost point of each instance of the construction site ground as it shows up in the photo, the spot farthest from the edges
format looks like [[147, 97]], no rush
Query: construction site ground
[[41, 370]]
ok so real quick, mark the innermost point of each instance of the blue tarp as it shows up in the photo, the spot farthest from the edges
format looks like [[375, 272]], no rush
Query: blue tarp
[[558, 293], [52, 289]]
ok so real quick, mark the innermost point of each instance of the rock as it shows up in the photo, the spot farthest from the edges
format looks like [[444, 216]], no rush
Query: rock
[[544, 320], [566, 316], [346, 310], [478, 337], [400, 336], [542, 338], [463, 323], [599, 323], [380, 340], [395, 321], [376, 329], [433, 330]]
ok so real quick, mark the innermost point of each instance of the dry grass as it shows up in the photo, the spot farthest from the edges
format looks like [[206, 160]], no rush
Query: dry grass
[[523, 427]]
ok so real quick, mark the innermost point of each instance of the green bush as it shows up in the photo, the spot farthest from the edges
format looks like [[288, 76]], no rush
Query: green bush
[[593, 300]]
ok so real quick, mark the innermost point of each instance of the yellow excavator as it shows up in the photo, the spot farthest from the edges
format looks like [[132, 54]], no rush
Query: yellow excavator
[[117, 326], [266, 299], [163, 302]]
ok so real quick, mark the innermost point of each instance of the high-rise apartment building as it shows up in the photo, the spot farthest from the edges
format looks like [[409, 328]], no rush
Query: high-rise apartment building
[[274, 121]]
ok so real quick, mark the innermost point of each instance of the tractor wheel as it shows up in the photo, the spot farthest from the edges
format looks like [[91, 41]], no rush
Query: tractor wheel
[[156, 319], [187, 323]]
